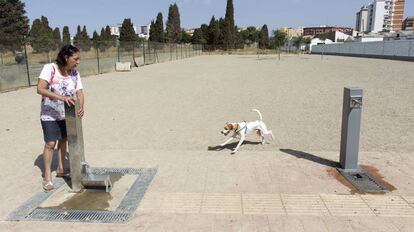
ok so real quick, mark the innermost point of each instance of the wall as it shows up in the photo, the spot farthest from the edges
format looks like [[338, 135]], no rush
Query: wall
[[399, 49]]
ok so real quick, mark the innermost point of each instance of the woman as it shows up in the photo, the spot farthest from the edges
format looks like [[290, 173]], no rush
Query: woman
[[58, 83]]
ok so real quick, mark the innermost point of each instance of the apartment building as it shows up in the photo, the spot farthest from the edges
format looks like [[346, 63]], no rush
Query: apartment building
[[292, 32], [380, 15], [313, 31], [396, 11], [408, 24], [362, 21]]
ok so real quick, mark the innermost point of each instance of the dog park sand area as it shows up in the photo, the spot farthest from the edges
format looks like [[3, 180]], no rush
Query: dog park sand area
[[169, 116]]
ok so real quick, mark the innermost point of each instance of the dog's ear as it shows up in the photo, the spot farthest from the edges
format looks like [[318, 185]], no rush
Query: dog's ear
[[230, 126]]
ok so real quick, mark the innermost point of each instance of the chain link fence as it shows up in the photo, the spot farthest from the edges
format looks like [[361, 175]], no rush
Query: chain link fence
[[21, 69], [252, 50]]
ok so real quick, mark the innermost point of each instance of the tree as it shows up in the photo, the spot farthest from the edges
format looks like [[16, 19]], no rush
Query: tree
[[198, 37], [152, 31], [264, 37], [229, 27], [127, 35], [213, 33], [278, 39], [250, 35], [110, 38], [77, 39], [297, 41], [81, 39], [41, 35], [205, 31], [14, 25], [322, 36], [222, 34], [65, 36], [57, 39], [185, 37], [159, 27], [95, 39], [86, 40], [238, 43], [106, 40], [307, 40], [173, 24]]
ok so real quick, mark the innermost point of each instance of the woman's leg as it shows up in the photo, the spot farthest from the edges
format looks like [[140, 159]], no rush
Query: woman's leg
[[47, 159], [61, 155]]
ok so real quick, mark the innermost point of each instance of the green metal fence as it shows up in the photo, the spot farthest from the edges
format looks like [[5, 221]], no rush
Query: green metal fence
[[21, 69]]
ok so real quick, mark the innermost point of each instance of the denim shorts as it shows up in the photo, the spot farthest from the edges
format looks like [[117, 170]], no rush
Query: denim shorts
[[54, 130]]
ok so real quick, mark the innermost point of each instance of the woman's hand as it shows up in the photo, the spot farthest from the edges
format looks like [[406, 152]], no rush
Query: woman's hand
[[80, 112], [68, 100]]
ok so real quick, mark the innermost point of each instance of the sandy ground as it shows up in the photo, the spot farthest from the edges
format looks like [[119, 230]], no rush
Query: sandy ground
[[171, 113]]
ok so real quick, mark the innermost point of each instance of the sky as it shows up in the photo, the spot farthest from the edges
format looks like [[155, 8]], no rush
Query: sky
[[95, 14]]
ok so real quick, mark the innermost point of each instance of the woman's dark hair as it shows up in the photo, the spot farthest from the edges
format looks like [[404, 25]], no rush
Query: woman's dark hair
[[64, 53]]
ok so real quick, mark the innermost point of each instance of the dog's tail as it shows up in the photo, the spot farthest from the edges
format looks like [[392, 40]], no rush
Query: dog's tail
[[260, 115]]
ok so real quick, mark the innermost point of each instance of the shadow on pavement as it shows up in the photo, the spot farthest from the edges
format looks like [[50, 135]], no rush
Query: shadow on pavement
[[230, 146], [40, 164], [310, 157]]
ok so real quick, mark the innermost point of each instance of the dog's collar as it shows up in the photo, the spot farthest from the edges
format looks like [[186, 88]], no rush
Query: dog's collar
[[245, 128]]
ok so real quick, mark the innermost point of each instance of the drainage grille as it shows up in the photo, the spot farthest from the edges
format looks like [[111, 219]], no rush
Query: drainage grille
[[30, 211], [363, 182]]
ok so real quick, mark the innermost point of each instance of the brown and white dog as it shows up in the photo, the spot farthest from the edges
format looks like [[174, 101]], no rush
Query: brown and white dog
[[241, 129]]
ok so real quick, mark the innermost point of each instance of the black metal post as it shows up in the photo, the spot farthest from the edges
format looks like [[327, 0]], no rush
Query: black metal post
[[97, 59], [27, 64]]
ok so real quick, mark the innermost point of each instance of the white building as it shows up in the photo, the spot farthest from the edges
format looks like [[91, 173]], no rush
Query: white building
[[341, 37], [115, 30], [145, 31], [316, 41], [376, 16], [362, 22], [370, 38]]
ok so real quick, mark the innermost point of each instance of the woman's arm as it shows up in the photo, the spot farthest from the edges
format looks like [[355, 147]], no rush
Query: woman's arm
[[42, 89], [81, 99]]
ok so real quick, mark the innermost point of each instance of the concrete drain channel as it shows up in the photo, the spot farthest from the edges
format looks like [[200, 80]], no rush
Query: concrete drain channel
[[32, 209]]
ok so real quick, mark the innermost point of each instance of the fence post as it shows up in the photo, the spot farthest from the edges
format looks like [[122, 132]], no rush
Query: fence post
[[170, 52], [97, 58], [133, 53], [119, 58], [149, 49], [27, 64], [143, 50], [323, 47], [278, 51]]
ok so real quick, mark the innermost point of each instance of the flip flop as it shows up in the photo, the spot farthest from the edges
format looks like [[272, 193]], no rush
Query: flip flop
[[48, 185]]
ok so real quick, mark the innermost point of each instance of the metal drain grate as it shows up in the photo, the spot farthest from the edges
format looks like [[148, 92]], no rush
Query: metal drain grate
[[29, 211], [363, 182]]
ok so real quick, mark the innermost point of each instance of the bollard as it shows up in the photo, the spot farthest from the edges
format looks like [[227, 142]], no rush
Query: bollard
[[351, 123], [75, 145]]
